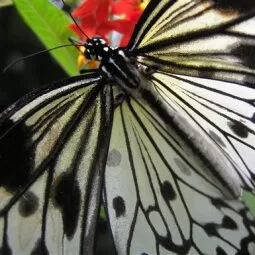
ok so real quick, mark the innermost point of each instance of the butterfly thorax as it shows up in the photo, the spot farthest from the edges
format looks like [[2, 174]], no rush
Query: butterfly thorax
[[115, 65], [97, 49]]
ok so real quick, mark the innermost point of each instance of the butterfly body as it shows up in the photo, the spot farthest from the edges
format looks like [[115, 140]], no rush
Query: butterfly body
[[115, 65], [171, 149]]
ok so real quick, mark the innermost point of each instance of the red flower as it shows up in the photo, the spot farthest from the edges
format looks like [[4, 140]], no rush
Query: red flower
[[92, 14], [102, 17]]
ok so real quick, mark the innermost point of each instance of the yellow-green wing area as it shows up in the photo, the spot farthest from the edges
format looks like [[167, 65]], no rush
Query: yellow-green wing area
[[211, 39]]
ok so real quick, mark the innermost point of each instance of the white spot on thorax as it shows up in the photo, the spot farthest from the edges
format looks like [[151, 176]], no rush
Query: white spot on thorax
[[121, 52]]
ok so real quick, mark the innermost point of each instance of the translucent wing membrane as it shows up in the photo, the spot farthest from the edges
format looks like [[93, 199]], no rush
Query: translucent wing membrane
[[220, 112], [208, 39], [160, 196], [52, 164], [182, 142]]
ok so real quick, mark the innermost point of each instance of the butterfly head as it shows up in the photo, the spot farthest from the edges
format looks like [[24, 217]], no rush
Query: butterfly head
[[96, 48]]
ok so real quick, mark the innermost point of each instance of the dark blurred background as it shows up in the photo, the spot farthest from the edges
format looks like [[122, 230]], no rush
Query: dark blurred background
[[17, 41]]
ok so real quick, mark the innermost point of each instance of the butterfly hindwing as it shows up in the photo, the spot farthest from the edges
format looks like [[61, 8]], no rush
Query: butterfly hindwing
[[160, 196], [201, 102], [51, 164]]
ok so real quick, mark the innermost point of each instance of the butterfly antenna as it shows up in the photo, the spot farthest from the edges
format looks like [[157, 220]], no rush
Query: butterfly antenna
[[34, 54], [75, 22]]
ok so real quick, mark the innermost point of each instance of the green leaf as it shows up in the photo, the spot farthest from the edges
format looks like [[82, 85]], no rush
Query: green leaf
[[51, 27], [5, 3], [249, 200]]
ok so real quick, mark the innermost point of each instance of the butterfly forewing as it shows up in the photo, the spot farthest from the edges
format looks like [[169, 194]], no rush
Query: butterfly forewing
[[51, 191], [198, 38], [176, 203]]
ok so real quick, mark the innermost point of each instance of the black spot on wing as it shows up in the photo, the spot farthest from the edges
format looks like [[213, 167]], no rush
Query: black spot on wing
[[228, 223], [211, 229], [16, 156], [119, 206], [40, 248], [114, 158], [216, 138], [220, 251], [67, 197], [168, 191], [238, 128], [241, 6], [247, 245], [218, 203], [28, 204], [246, 53], [248, 242]]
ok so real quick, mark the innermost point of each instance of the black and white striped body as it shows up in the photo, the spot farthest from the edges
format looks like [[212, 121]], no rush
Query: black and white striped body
[[115, 65]]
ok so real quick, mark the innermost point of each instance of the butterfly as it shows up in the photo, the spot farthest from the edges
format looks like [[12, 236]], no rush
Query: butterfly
[[163, 131]]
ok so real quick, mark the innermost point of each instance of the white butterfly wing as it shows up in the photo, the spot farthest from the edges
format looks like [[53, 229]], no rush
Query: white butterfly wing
[[219, 112], [54, 145], [161, 198], [164, 193]]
